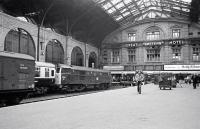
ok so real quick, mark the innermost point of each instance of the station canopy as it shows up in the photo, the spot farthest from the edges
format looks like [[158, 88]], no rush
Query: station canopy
[[126, 11]]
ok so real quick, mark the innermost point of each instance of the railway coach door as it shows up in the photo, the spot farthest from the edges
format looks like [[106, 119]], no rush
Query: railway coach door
[[5, 75], [9, 75]]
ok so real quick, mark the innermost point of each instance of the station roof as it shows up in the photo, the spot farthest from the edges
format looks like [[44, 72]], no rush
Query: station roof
[[81, 19], [91, 20], [126, 11]]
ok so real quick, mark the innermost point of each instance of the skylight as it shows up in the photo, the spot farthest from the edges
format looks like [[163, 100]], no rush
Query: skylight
[[124, 10]]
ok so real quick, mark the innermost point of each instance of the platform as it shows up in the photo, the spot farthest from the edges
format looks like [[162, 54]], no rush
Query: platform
[[124, 108]]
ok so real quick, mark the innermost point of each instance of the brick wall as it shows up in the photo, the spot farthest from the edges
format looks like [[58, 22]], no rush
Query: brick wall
[[8, 23]]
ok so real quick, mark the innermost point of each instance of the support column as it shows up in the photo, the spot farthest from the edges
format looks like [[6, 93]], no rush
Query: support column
[[124, 56], [166, 53], [186, 54]]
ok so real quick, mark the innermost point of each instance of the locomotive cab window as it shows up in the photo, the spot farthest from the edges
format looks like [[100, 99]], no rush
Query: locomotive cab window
[[52, 73], [37, 69], [58, 70], [37, 72]]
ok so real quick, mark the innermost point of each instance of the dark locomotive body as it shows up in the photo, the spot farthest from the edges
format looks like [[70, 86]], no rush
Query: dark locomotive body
[[16, 76], [76, 78]]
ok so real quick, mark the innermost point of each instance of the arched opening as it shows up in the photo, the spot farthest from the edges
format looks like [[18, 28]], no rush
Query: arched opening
[[92, 60], [20, 41], [77, 57], [54, 52]]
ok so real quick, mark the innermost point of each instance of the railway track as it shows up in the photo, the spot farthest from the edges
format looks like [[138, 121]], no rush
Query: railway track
[[58, 96]]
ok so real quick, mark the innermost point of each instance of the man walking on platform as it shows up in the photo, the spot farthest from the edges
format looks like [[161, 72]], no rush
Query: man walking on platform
[[139, 77]]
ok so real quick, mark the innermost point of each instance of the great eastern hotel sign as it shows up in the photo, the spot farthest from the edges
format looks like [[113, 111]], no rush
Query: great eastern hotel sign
[[181, 67]]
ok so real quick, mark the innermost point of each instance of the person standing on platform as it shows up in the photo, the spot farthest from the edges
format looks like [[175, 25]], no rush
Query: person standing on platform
[[194, 80]]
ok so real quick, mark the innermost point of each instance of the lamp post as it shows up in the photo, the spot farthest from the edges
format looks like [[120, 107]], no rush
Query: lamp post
[[39, 27]]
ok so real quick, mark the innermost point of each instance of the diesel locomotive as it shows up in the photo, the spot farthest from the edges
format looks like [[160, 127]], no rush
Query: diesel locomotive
[[51, 77], [76, 78]]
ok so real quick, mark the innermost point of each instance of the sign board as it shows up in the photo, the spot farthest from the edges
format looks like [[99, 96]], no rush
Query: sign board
[[176, 42], [181, 67], [110, 68]]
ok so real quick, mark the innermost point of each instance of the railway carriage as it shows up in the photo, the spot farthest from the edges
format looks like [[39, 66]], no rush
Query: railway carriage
[[76, 78], [16, 76]]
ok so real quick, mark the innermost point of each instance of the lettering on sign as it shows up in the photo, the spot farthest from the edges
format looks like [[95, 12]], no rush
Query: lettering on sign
[[131, 45], [181, 67], [153, 43], [191, 66], [22, 66], [176, 42]]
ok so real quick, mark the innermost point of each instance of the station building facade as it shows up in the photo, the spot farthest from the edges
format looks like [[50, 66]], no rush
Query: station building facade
[[151, 44]]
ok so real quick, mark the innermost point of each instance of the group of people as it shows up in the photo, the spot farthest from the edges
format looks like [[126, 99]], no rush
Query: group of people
[[139, 78], [194, 79]]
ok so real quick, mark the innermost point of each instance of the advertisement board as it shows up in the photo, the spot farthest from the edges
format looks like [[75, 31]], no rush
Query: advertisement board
[[181, 67]]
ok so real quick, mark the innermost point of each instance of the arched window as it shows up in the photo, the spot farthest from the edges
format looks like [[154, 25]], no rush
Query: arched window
[[77, 57], [92, 60], [54, 52], [20, 41]]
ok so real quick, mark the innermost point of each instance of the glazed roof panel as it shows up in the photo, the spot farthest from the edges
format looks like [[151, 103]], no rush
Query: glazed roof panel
[[124, 11]]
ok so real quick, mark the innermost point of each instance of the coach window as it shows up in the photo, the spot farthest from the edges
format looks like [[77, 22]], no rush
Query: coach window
[[196, 52], [176, 52]]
